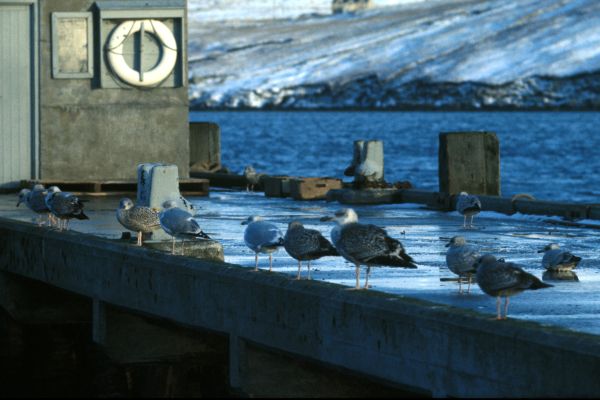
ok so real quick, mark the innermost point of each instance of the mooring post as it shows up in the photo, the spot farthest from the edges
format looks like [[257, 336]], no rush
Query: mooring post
[[158, 183], [367, 162], [469, 162]]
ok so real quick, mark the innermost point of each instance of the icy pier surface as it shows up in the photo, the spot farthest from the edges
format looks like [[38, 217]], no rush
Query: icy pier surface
[[424, 233]]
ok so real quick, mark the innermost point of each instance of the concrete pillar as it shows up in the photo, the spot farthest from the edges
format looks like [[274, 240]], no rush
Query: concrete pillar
[[469, 162], [205, 147], [367, 162]]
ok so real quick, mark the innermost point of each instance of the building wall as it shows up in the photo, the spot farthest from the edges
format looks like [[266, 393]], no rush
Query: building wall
[[93, 133]]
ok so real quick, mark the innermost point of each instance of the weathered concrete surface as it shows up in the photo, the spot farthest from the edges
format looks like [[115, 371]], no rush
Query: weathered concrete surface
[[443, 349], [469, 162], [113, 130]]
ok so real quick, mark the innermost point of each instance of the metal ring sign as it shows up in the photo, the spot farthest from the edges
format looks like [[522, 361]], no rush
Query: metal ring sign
[[131, 76]]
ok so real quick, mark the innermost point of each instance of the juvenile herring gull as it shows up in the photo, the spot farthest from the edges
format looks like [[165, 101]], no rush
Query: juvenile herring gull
[[252, 177], [262, 237], [499, 278], [139, 219], [306, 244], [468, 205], [179, 223], [64, 206], [461, 259], [556, 259], [366, 244]]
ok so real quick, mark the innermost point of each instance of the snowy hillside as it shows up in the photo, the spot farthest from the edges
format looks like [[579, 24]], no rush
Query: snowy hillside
[[433, 53]]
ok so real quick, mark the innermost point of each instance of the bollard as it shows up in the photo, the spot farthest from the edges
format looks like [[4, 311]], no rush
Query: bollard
[[367, 163], [158, 183], [205, 147], [469, 162]]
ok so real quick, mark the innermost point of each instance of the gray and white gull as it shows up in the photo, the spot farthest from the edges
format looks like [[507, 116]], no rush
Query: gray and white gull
[[461, 259], [306, 245], [35, 200], [468, 205], [179, 223], [262, 237], [366, 244], [252, 177], [137, 218], [498, 278], [556, 259], [65, 206]]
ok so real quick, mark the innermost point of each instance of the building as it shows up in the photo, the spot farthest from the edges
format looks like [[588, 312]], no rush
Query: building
[[91, 89]]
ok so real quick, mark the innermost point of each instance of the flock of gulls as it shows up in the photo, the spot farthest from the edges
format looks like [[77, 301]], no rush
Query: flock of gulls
[[358, 243]]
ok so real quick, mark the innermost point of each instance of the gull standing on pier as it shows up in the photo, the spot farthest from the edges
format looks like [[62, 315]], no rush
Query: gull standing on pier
[[461, 259], [137, 218], [252, 178], [468, 205], [499, 278], [306, 244], [556, 259], [64, 206], [366, 244], [179, 223], [35, 200], [262, 237]]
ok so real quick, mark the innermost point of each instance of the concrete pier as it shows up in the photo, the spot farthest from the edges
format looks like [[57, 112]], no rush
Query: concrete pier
[[392, 339]]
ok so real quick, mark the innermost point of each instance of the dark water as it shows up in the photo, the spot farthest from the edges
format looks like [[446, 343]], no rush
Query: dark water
[[551, 155]]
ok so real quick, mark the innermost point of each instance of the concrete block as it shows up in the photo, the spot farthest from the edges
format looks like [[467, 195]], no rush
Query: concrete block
[[313, 188], [469, 162], [205, 146], [158, 183], [277, 186]]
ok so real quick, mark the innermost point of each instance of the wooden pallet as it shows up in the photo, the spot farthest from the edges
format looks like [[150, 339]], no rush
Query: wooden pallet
[[188, 187]]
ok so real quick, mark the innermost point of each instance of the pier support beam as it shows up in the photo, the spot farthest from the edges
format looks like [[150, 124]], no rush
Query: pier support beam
[[469, 162], [205, 147]]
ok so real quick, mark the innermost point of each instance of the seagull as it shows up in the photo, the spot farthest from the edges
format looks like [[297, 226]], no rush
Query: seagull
[[177, 222], [139, 219], [556, 259], [366, 244], [306, 244], [262, 237], [468, 205], [34, 199], [498, 278], [461, 259], [64, 205], [252, 178]]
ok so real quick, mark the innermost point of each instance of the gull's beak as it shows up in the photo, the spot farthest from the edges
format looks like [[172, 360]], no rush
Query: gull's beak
[[541, 251], [244, 223], [326, 218]]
